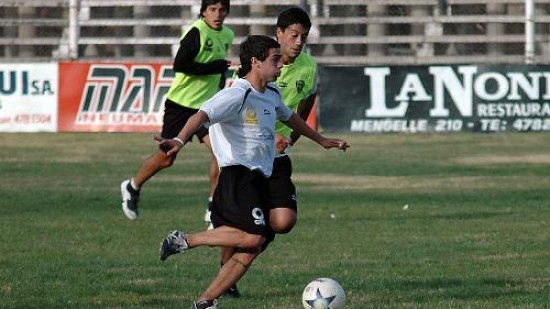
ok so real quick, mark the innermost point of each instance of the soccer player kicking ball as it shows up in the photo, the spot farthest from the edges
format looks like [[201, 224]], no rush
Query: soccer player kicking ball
[[298, 88], [242, 131]]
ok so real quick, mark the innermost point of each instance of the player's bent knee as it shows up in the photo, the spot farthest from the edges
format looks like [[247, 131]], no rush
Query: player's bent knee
[[283, 226]]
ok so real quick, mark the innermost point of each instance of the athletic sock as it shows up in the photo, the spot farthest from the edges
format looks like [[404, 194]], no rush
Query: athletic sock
[[133, 186]]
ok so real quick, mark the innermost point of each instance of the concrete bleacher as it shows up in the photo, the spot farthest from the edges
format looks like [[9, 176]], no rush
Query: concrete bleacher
[[344, 31]]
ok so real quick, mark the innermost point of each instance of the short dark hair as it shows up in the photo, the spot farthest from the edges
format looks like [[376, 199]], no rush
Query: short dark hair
[[256, 46], [206, 3], [294, 15]]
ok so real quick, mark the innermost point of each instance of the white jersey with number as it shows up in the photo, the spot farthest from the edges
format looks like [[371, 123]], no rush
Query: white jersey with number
[[242, 125]]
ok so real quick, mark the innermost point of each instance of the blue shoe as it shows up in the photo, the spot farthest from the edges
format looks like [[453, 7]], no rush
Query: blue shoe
[[173, 243], [205, 304]]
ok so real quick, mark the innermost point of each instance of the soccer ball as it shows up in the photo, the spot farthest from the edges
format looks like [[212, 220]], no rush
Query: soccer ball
[[323, 293]]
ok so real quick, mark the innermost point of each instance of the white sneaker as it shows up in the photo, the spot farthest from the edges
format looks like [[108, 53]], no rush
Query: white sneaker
[[130, 200]]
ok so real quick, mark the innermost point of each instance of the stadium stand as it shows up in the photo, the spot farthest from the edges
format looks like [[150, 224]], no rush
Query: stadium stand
[[360, 32]]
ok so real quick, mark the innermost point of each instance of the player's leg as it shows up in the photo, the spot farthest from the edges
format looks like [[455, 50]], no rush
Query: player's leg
[[283, 211], [236, 266], [283, 208], [225, 254], [152, 165], [233, 270], [175, 117], [214, 171], [282, 219], [213, 175], [223, 236], [237, 213], [239, 200], [130, 188]]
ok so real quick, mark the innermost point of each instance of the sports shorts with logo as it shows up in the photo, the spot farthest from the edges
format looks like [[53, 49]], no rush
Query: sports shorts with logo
[[240, 200], [282, 191], [175, 118]]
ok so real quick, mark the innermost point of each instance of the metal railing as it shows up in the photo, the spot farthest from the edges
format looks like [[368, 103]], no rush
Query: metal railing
[[344, 31]]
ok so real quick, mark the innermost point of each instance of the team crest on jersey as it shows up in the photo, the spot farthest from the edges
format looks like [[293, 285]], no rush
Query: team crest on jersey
[[300, 84], [251, 117], [208, 44]]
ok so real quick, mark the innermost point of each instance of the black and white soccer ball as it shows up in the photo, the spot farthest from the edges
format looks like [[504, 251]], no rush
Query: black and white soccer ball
[[323, 293]]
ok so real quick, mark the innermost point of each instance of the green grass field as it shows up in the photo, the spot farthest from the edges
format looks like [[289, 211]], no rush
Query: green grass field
[[475, 234]]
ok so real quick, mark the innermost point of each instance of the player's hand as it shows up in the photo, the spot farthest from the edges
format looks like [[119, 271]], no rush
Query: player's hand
[[343, 145], [281, 143], [335, 143], [168, 146]]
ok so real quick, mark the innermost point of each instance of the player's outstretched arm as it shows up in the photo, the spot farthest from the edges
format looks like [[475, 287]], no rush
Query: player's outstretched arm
[[304, 109], [301, 127], [172, 146]]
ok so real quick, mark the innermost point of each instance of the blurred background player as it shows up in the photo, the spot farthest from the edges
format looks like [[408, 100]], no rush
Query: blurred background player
[[298, 85], [200, 68]]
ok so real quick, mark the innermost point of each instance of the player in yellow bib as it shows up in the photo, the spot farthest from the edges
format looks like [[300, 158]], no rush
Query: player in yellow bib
[[298, 84], [200, 68]]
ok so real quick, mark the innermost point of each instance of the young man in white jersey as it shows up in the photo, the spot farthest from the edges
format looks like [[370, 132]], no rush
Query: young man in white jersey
[[242, 130], [200, 72], [298, 86]]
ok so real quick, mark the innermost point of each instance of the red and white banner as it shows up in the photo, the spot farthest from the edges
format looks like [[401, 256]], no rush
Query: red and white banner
[[86, 97], [28, 97], [112, 97]]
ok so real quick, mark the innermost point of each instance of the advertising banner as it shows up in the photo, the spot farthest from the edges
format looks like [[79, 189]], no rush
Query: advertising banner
[[116, 97], [436, 98], [112, 97], [28, 97]]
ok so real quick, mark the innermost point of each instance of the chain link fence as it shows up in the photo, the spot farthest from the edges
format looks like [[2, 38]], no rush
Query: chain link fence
[[344, 31]]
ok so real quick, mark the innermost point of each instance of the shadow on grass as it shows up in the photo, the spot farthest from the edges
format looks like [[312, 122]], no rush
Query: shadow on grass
[[420, 291], [416, 215], [471, 215]]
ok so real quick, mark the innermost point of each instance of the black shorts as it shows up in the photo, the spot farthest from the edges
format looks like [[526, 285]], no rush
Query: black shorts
[[282, 191], [175, 118], [240, 200]]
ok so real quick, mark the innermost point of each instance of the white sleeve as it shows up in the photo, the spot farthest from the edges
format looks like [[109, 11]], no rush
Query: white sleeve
[[283, 112], [223, 105]]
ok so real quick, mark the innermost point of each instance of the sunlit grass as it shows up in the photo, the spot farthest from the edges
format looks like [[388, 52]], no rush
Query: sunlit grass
[[401, 221]]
